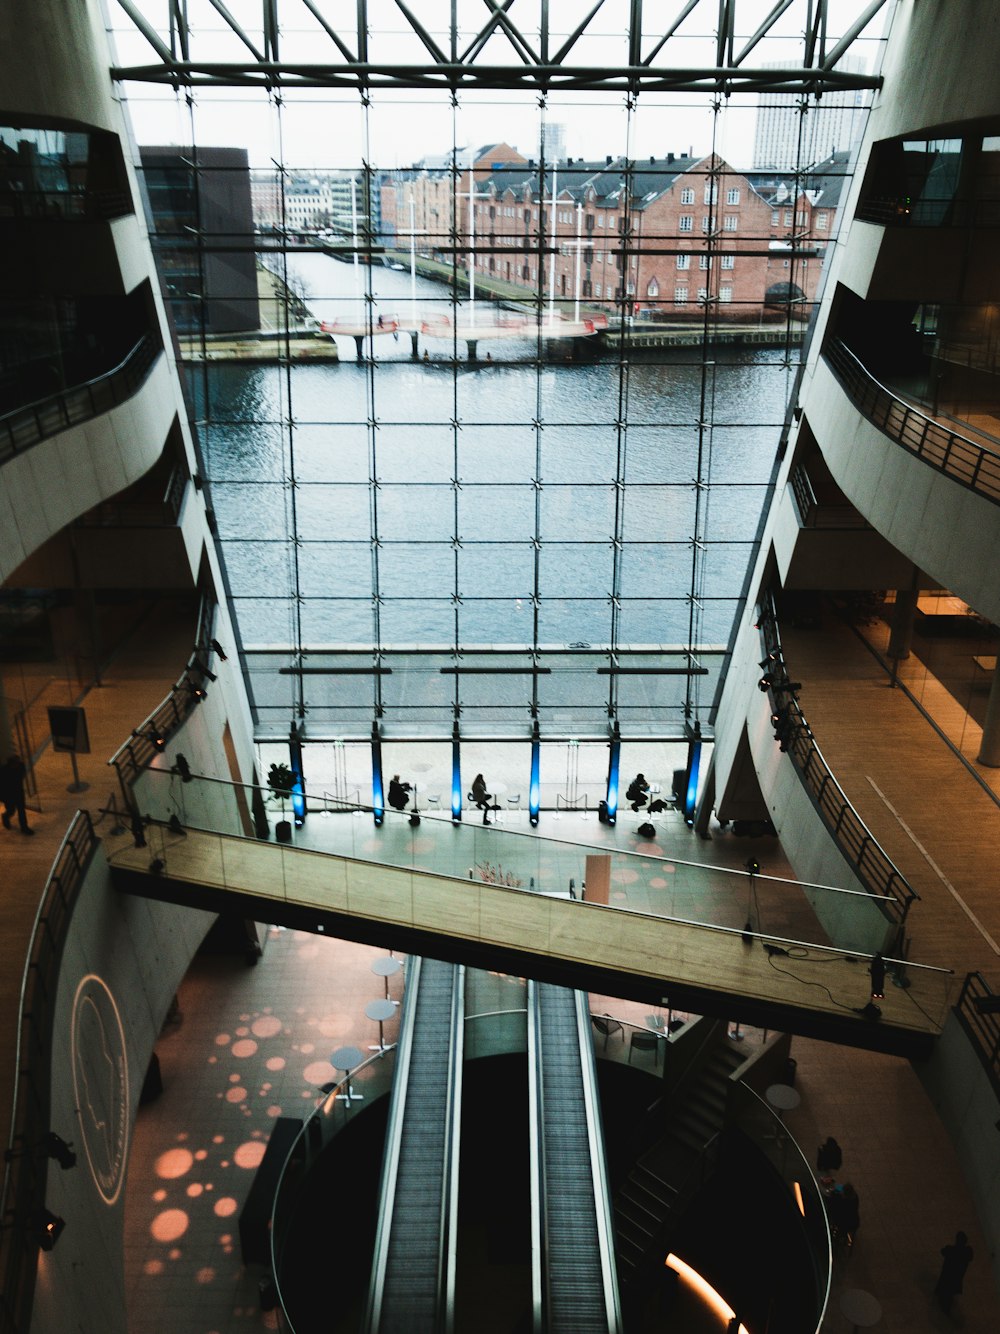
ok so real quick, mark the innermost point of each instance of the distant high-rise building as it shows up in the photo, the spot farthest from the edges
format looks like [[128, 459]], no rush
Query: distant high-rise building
[[832, 124]]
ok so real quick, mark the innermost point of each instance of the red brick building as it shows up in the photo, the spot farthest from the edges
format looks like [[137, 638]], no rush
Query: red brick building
[[662, 239]]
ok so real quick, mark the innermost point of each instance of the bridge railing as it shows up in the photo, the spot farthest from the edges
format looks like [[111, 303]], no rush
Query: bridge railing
[[511, 855]]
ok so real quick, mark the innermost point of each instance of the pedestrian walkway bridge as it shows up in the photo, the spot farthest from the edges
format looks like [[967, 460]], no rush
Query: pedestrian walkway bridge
[[813, 989]]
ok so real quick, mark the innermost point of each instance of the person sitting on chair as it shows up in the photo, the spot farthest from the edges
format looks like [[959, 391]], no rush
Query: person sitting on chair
[[481, 797], [636, 791], [399, 793]]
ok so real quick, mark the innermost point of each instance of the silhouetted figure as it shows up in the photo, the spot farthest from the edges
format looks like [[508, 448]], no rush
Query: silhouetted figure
[[844, 1211], [877, 971], [399, 793], [957, 1258], [829, 1156], [12, 775], [636, 791], [481, 797]]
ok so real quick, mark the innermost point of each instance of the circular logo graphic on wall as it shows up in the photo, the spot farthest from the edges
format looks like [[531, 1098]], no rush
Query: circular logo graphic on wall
[[100, 1081]]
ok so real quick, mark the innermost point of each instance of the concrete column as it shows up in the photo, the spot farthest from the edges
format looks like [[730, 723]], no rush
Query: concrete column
[[414, 344], [471, 345], [989, 751], [903, 618]]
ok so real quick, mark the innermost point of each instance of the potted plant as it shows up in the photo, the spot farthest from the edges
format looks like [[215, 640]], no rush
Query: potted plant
[[281, 780]]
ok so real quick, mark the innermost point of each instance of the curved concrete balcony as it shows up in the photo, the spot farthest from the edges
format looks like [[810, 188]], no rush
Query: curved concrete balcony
[[931, 491], [96, 439]]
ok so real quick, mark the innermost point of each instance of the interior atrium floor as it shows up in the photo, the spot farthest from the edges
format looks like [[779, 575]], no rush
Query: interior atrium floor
[[910, 788]]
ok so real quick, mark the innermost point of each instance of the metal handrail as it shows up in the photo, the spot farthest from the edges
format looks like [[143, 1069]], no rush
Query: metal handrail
[[963, 460], [37, 421], [981, 1025], [77, 204], [25, 1173], [139, 749], [876, 871]]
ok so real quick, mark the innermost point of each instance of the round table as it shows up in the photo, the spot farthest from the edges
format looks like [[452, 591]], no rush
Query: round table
[[783, 1098], [386, 968], [861, 1308], [347, 1059], [380, 1011]]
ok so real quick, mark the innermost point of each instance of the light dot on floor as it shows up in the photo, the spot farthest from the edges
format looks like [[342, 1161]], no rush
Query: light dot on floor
[[225, 1206], [274, 1111], [245, 1047], [195, 1189], [205, 1275], [236, 1093], [153, 1267], [169, 1225], [266, 1028], [159, 1195], [249, 1154], [275, 1063], [174, 1163], [243, 1031], [318, 1072], [202, 1154], [221, 1039]]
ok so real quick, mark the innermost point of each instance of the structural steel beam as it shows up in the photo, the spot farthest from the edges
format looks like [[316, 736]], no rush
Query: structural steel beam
[[501, 54]]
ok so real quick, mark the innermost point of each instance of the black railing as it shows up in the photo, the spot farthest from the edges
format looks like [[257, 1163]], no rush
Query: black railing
[[814, 514], [962, 459], [855, 840], [26, 426], [978, 1010], [74, 205], [25, 1172], [949, 211], [150, 737]]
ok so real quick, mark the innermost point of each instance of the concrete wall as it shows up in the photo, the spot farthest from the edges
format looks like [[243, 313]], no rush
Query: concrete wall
[[966, 1102]]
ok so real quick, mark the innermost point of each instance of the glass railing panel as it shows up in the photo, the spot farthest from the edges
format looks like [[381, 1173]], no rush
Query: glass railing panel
[[514, 857], [799, 927]]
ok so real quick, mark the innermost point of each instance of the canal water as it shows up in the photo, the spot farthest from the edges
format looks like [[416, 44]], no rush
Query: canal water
[[462, 491]]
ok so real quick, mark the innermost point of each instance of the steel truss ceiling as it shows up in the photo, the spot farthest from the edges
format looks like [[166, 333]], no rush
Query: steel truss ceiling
[[502, 44]]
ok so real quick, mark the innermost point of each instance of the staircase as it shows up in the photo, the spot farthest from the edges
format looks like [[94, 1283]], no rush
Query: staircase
[[653, 1187]]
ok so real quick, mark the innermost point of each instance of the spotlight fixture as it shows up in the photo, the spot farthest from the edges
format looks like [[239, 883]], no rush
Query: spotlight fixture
[[753, 866], [771, 660], [198, 692], [765, 683], [47, 1228], [57, 1148], [182, 768], [199, 666], [158, 740], [218, 650]]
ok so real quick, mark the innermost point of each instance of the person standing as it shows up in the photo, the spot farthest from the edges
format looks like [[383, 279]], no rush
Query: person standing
[[957, 1258], [12, 775], [399, 793]]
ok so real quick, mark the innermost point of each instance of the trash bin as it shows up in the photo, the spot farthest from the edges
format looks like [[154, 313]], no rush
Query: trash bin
[[791, 1065]]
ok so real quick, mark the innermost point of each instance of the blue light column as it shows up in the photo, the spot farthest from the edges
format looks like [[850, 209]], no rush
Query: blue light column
[[534, 784], [691, 788], [456, 775], [378, 795], [614, 761], [298, 793]]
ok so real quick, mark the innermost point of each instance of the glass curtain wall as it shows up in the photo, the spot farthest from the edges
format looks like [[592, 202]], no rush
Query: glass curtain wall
[[496, 450]]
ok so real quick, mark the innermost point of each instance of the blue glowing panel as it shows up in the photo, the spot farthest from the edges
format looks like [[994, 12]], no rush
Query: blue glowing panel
[[534, 785], [456, 781], [378, 794], [691, 793], [614, 760]]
